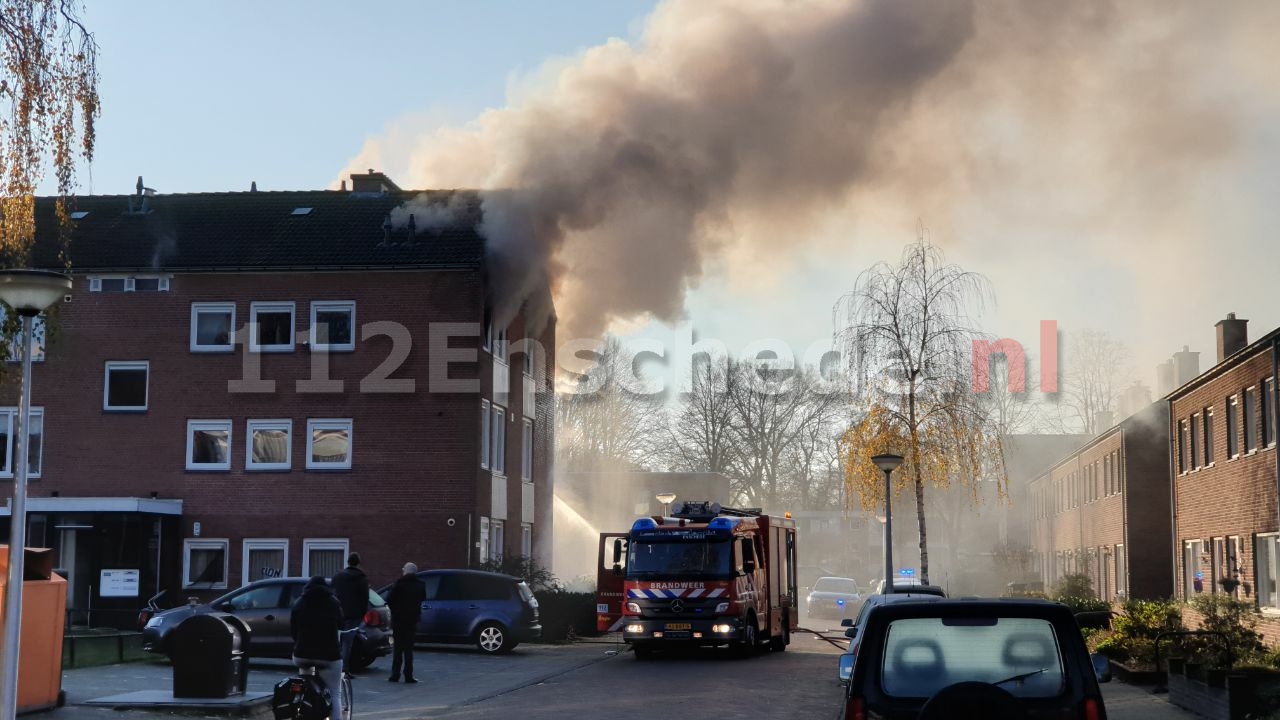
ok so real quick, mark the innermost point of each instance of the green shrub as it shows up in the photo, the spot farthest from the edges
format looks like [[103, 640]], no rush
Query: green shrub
[[1132, 638], [1235, 619], [1083, 604], [1074, 586], [566, 615], [527, 569]]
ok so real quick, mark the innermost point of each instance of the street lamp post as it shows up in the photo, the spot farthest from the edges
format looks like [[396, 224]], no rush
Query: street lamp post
[[666, 498], [28, 293], [888, 463]]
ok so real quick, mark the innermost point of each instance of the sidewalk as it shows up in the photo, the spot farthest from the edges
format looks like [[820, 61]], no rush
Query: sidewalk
[[1135, 702], [451, 677]]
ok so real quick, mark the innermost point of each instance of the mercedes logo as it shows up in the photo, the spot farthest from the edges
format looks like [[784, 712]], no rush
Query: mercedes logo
[[677, 606]]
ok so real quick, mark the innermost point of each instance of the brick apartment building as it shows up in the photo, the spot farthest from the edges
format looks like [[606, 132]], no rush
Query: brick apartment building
[[1225, 498], [252, 384], [1104, 510]]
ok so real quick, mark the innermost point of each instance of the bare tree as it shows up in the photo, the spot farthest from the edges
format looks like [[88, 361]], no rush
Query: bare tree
[[1097, 368], [48, 107], [700, 431], [610, 427], [909, 329]]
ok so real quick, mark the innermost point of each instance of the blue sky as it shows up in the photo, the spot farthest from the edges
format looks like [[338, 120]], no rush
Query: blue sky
[[208, 96]]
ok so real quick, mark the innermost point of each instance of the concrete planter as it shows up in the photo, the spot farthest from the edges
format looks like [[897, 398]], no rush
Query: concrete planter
[[1242, 695]]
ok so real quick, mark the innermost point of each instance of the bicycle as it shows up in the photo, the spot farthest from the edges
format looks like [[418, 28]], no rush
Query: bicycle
[[294, 702]]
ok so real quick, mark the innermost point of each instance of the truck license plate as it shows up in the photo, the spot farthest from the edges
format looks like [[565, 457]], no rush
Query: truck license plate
[[679, 626]]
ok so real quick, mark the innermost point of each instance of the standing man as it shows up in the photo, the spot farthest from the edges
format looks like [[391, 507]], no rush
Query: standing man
[[405, 600], [351, 586]]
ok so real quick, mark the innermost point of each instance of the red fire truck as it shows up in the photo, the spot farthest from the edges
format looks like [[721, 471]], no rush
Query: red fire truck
[[706, 575]]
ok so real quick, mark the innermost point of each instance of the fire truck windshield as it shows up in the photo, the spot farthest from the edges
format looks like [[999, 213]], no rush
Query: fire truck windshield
[[667, 558]]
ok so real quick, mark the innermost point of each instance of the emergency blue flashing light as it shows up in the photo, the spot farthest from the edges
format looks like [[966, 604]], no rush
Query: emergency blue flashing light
[[840, 602], [644, 523], [722, 523]]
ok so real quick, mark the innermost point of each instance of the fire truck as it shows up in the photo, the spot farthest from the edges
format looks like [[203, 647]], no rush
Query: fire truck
[[705, 575]]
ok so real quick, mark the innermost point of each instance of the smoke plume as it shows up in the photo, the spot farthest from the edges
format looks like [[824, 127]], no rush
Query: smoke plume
[[732, 127]]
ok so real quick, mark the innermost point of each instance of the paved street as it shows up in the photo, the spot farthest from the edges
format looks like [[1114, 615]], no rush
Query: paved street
[[586, 680]]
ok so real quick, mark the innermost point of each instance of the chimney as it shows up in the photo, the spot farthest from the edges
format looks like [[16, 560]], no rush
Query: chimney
[[1103, 420], [253, 186], [1233, 335], [372, 182], [386, 231], [1164, 378], [1186, 366]]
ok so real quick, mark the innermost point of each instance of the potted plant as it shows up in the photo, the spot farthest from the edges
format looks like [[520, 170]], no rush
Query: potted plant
[[1229, 584]]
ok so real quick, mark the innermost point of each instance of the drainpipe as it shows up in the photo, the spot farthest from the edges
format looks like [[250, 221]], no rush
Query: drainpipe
[[1173, 497], [1275, 406]]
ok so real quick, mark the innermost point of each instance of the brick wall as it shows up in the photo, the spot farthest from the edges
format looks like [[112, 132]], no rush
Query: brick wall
[[414, 456], [1231, 496]]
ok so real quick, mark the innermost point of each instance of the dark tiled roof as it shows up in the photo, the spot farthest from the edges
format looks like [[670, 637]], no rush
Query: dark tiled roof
[[256, 231]]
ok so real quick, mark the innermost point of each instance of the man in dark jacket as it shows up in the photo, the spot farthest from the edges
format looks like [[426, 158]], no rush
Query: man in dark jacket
[[405, 600], [314, 623], [351, 586]]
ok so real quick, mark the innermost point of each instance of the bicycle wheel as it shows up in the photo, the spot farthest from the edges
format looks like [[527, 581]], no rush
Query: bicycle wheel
[[347, 700]]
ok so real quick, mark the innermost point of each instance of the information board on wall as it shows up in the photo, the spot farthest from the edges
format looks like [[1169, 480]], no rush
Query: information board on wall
[[119, 583]]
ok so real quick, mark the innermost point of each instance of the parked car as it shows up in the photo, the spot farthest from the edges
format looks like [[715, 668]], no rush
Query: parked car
[[911, 585], [855, 626], [1010, 659], [495, 612], [833, 598], [266, 606]]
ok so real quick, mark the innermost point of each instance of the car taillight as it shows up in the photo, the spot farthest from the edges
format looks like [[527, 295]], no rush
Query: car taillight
[[1091, 710], [372, 618], [855, 709]]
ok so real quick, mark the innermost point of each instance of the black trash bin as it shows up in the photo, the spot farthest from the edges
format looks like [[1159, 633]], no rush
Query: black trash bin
[[210, 654]]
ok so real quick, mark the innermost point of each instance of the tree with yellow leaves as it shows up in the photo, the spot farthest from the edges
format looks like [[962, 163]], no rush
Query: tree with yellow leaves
[[48, 106], [909, 331]]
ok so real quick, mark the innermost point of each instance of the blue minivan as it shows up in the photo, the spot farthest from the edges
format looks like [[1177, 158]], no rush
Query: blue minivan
[[495, 612]]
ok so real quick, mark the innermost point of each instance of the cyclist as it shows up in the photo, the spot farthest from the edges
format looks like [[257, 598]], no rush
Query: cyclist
[[315, 624], [351, 586]]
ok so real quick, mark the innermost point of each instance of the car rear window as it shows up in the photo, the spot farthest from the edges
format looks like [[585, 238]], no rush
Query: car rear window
[[836, 585], [923, 655]]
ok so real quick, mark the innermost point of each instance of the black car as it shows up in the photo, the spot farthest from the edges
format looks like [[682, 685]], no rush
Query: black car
[[494, 612], [266, 605], [945, 658]]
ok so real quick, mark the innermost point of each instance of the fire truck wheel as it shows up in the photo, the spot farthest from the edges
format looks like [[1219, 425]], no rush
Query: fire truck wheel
[[493, 639], [749, 645]]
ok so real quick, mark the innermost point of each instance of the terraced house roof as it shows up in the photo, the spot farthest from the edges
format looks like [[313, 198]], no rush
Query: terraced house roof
[[247, 231]]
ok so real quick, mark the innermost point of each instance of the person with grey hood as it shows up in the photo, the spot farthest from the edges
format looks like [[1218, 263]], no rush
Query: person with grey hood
[[315, 623], [405, 600]]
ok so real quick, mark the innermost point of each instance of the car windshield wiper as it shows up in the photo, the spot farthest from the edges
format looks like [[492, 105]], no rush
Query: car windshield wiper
[[1020, 678]]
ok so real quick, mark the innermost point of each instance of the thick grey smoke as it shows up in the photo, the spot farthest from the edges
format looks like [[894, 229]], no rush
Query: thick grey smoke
[[733, 126]]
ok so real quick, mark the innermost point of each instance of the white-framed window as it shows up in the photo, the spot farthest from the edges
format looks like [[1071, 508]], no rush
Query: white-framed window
[[129, 283], [498, 458], [1249, 421], [213, 327], [1195, 581], [268, 445], [125, 385], [329, 444], [1268, 410], [496, 540], [208, 444], [1267, 562], [204, 563], [486, 331], [271, 326], [37, 340], [333, 325], [528, 353], [484, 540], [526, 540], [264, 558], [485, 427], [500, 344], [526, 452], [324, 556], [9, 443], [1233, 440], [1208, 436]]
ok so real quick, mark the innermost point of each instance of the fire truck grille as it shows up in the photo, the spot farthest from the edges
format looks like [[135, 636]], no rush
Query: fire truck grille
[[679, 607]]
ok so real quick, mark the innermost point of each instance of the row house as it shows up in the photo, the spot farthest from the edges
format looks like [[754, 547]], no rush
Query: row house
[[1223, 426], [252, 384], [1104, 509]]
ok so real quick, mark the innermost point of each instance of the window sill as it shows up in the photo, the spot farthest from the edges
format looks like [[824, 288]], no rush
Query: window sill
[[219, 350], [270, 349], [124, 410], [272, 469], [208, 469], [323, 469], [332, 348]]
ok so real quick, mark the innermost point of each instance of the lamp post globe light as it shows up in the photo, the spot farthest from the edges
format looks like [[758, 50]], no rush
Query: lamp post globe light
[[28, 293], [888, 463], [666, 498]]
